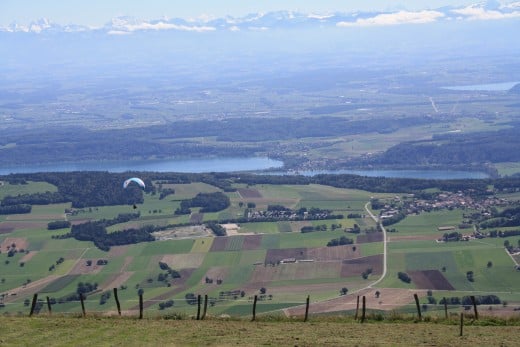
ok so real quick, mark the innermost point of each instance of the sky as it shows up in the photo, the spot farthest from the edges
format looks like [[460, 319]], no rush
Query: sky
[[99, 12]]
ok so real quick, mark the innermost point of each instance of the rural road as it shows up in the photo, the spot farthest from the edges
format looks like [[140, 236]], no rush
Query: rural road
[[376, 219], [371, 285]]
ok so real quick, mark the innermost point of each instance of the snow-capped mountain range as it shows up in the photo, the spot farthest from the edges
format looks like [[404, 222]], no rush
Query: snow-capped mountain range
[[488, 10]]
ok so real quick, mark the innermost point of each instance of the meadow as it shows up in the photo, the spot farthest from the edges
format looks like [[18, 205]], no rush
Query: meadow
[[319, 331], [231, 270]]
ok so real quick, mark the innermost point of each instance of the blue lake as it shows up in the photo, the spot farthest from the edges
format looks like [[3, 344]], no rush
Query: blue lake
[[255, 164], [423, 174], [495, 87], [167, 165]]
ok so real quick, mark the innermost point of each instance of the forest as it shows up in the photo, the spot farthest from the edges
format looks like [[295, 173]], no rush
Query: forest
[[209, 202], [86, 189], [239, 138], [40, 145], [97, 233], [455, 149]]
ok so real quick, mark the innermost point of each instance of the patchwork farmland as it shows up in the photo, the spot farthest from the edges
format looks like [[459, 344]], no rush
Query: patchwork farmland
[[273, 260]]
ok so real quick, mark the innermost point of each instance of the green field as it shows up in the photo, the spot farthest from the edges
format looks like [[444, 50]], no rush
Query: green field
[[7, 189], [508, 169], [237, 262], [428, 223]]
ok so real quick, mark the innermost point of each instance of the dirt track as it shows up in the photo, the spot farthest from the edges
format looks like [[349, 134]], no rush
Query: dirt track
[[389, 299], [29, 289]]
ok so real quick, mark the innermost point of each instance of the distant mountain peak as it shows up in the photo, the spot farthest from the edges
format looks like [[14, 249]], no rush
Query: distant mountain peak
[[485, 10]]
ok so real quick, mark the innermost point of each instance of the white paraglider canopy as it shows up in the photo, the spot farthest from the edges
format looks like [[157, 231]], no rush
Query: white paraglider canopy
[[134, 179]]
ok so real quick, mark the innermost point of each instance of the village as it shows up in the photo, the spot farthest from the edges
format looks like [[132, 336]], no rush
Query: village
[[479, 210], [446, 200], [278, 213]]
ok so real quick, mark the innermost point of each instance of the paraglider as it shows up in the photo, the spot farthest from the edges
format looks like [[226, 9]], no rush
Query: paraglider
[[136, 180]]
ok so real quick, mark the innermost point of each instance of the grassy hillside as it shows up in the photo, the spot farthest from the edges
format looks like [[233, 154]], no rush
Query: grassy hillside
[[59, 331]]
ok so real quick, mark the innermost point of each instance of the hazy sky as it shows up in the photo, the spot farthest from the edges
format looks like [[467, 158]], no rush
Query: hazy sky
[[98, 12]]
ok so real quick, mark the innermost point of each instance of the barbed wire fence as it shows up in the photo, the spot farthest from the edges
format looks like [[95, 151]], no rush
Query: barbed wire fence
[[198, 305]]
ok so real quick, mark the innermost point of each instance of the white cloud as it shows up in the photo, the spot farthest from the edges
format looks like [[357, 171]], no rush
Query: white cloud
[[513, 5], [401, 17], [479, 13], [118, 32], [319, 17]]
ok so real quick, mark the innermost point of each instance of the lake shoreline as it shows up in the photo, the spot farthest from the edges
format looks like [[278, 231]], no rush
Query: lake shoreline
[[258, 165]]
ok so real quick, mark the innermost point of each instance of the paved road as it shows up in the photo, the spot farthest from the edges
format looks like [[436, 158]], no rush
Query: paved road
[[384, 245]]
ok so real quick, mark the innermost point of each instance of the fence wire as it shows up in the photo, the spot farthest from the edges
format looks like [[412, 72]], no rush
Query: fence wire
[[189, 306]]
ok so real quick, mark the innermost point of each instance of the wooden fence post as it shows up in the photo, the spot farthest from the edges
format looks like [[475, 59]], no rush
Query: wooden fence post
[[117, 301], [33, 304], [140, 306], [205, 306], [307, 308], [461, 322], [363, 310], [445, 308], [82, 304], [81, 300], [254, 308], [357, 308], [474, 306], [418, 306], [49, 305], [198, 306]]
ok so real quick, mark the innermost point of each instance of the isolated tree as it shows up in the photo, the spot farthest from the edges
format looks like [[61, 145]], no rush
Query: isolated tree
[[489, 264], [344, 291], [263, 290], [378, 293], [403, 276]]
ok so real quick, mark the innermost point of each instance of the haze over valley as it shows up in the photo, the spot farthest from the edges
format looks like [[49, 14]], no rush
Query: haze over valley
[[315, 91]]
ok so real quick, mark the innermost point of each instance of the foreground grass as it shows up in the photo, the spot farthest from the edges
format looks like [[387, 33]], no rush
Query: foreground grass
[[97, 331]]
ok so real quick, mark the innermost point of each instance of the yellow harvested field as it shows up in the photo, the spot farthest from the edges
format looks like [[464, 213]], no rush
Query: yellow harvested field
[[184, 261]]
